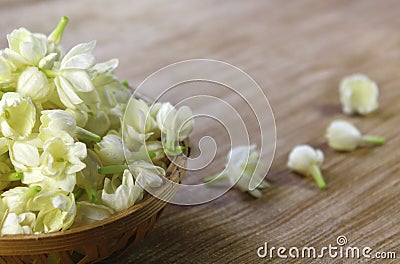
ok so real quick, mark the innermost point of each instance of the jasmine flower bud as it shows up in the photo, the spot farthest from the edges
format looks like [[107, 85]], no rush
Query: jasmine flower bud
[[358, 94], [344, 136], [305, 160], [34, 84], [110, 150], [17, 115]]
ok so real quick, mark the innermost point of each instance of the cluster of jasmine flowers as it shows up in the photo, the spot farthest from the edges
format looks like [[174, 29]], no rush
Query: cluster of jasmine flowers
[[62, 159], [358, 95]]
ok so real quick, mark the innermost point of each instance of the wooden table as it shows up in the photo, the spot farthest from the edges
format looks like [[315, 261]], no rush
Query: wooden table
[[297, 51]]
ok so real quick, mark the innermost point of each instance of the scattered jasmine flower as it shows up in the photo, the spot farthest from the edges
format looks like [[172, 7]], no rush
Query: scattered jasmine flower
[[305, 160], [344, 136], [358, 94], [240, 168]]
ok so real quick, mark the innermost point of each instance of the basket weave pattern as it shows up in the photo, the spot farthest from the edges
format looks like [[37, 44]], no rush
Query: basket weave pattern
[[94, 242]]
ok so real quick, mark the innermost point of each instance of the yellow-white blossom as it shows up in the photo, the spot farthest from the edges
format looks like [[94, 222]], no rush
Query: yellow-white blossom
[[98, 123], [59, 123], [26, 48], [147, 174], [88, 213], [358, 94], [89, 179], [74, 86], [120, 195], [17, 115], [138, 124], [240, 169], [34, 84], [18, 199], [18, 224], [81, 117], [176, 125], [110, 150], [306, 160], [8, 77], [344, 136], [57, 211], [60, 161]]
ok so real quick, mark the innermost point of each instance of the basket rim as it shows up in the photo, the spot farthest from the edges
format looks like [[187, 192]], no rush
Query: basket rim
[[172, 168]]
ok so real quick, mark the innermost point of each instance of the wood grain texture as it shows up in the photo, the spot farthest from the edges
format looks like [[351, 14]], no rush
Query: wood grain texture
[[297, 51]]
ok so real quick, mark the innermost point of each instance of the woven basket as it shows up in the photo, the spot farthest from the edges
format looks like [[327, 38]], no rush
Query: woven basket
[[97, 241]]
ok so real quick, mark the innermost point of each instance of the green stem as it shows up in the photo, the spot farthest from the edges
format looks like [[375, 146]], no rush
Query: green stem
[[141, 155], [32, 191], [112, 169], [57, 33], [49, 73], [374, 140], [15, 176], [78, 193], [125, 83], [82, 133], [317, 175], [214, 178], [91, 194]]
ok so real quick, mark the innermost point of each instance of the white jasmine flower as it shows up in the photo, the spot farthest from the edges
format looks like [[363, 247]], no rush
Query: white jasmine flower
[[81, 117], [146, 174], [25, 154], [34, 84], [344, 136], [8, 77], [57, 211], [89, 178], [305, 160], [176, 125], [240, 168], [122, 196], [88, 213], [98, 123], [74, 86], [138, 124], [17, 115], [110, 150], [358, 94], [26, 48], [18, 224], [59, 163], [18, 199], [59, 123]]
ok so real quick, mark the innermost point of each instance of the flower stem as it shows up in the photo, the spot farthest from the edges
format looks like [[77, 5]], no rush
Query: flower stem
[[141, 155], [125, 83], [317, 175], [15, 176], [78, 193], [112, 169], [57, 33], [49, 73], [91, 194], [374, 140], [82, 133], [217, 177], [32, 191]]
